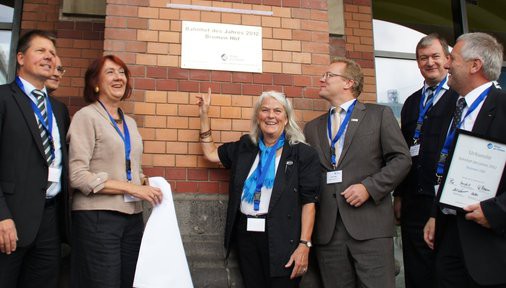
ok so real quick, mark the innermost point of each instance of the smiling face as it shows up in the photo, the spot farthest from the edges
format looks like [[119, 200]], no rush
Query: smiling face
[[271, 119], [54, 81], [431, 61], [459, 70], [37, 63], [112, 82]]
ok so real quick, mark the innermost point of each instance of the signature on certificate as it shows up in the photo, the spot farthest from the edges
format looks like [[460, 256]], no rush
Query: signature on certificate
[[460, 190], [465, 184]]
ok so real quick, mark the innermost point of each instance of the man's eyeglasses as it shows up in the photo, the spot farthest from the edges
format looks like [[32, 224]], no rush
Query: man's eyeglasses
[[60, 69], [328, 75]]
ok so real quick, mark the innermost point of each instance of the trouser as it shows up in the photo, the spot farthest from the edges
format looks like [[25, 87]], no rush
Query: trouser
[[349, 263], [36, 265], [451, 270], [105, 248], [253, 255], [419, 259]]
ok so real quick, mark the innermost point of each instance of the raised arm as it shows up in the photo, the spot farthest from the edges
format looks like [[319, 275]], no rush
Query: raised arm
[[206, 138]]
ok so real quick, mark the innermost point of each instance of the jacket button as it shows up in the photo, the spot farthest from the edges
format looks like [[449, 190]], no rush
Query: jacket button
[[289, 216], [420, 189], [291, 241]]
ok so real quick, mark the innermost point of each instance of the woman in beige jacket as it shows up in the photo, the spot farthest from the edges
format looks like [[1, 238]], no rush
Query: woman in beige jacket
[[105, 169]]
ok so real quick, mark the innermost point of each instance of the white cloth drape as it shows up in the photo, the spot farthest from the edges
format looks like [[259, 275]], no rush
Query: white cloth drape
[[162, 260]]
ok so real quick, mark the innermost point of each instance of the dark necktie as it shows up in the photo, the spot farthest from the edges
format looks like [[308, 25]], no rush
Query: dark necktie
[[41, 104], [457, 115], [430, 94]]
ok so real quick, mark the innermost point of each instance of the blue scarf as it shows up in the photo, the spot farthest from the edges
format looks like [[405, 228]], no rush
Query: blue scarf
[[265, 166]]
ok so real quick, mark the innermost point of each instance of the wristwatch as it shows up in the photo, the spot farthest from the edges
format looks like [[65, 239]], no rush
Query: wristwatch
[[307, 243]]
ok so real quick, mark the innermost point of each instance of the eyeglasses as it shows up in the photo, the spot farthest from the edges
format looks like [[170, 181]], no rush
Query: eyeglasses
[[60, 69], [328, 75]]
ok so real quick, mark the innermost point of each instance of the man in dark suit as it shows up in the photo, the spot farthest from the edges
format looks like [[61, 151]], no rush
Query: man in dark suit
[[33, 173], [471, 245], [425, 118], [363, 157]]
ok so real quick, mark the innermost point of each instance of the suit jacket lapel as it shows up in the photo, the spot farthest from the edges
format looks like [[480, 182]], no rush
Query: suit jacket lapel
[[60, 123], [355, 120], [487, 113], [324, 140], [279, 181], [24, 105]]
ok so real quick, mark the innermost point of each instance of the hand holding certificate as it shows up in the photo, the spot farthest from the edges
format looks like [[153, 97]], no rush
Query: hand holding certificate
[[475, 171]]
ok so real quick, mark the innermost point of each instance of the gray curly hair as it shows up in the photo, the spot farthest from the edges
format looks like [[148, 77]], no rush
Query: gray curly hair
[[293, 133]]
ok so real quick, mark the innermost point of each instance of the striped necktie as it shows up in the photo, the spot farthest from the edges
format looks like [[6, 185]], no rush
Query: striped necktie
[[41, 104], [430, 94]]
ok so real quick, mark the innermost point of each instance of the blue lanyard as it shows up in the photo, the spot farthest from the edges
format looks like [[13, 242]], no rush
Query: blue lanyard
[[48, 126], [264, 170], [125, 138], [451, 133], [340, 132], [424, 109]]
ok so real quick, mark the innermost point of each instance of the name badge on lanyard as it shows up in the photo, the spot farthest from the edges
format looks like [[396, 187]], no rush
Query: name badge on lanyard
[[54, 174], [255, 225], [414, 150], [334, 177]]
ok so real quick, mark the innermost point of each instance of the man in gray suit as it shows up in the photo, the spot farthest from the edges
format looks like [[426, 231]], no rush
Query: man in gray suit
[[363, 158]]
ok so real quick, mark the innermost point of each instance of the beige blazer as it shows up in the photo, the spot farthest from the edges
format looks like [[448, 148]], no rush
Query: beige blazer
[[96, 154]]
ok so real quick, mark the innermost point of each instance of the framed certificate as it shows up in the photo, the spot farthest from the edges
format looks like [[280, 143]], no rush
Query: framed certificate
[[474, 172]]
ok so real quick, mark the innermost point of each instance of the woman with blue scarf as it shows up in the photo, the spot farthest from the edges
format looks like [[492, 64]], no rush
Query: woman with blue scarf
[[274, 185]]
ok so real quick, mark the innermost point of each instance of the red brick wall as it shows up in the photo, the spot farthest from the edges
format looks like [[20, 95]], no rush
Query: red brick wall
[[146, 35], [359, 42], [295, 52]]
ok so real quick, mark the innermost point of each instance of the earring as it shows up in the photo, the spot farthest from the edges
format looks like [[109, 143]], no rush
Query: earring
[[97, 89]]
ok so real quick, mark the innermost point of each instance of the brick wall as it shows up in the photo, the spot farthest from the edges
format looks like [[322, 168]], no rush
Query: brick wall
[[146, 35], [359, 42]]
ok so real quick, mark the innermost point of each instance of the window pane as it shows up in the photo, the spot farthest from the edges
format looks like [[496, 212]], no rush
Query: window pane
[[396, 79], [387, 37], [5, 44], [6, 14]]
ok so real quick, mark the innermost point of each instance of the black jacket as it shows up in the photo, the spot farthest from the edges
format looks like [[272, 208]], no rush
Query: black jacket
[[23, 168], [422, 176], [297, 183], [484, 249]]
